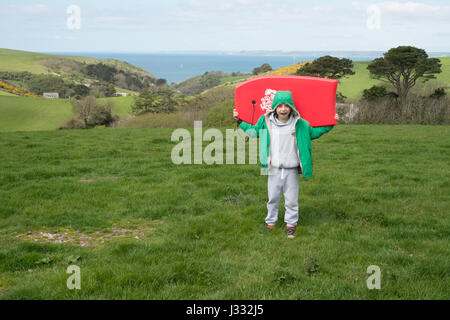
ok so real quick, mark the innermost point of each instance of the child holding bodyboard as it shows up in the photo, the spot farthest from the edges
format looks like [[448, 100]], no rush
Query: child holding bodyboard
[[285, 151]]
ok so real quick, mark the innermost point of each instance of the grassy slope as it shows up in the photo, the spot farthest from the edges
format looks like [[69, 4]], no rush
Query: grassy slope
[[6, 93], [122, 105], [353, 86], [16, 60], [30, 114], [379, 196], [444, 77]]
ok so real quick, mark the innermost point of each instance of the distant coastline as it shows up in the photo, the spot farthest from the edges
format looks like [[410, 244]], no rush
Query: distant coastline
[[177, 66], [335, 53]]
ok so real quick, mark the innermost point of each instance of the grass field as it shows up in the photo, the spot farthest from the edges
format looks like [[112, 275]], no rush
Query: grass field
[[6, 93], [122, 105], [17, 60], [353, 86], [140, 227], [31, 114], [444, 76]]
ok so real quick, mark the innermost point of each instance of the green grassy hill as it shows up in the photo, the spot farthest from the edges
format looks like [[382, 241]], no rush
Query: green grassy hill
[[13, 60], [122, 105], [6, 93], [20, 113], [444, 77], [140, 227], [353, 86], [16, 60], [32, 114]]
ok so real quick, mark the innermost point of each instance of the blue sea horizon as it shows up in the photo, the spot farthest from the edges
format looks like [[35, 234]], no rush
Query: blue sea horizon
[[177, 67]]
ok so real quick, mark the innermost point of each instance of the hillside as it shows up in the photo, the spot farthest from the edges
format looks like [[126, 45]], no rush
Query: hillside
[[352, 86], [41, 63], [215, 87], [16, 65], [32, 114]]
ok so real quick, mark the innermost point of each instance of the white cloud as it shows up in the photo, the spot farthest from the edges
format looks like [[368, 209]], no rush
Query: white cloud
[[111, 19], [407, 9], [322, 9], [28, 9]]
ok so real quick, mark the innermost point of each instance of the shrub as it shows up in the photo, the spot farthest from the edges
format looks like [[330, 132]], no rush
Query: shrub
[[39, 84], [265, 67], [153, 100], [374, 93], [221, 115], [102, 115], [81, 90], [89, 113], [340, 98], [199, 83], [415, 110], [438, 93], [73, 123], [101, 71]]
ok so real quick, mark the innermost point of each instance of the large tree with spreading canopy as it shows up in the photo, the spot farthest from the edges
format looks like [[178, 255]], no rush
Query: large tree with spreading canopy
[[402, 67]]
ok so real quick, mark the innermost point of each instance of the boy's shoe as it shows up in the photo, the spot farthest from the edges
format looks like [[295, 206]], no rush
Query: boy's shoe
[[290, 231], [268, 228]]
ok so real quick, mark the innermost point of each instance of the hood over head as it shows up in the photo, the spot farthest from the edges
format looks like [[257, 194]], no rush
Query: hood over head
[[284, 97]]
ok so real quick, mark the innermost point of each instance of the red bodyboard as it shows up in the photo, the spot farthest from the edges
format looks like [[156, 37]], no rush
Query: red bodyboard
[[314, 98]]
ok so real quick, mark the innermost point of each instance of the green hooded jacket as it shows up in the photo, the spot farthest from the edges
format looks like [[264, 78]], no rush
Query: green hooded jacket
[[304, 134]]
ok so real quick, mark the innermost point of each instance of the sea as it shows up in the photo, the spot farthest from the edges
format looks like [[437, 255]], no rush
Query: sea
[[177, 67]]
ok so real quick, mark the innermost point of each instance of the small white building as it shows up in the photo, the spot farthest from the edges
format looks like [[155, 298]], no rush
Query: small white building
[[51, 95], [121, 94]]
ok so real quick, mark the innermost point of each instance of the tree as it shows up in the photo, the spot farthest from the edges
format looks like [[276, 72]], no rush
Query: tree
[[102, 114], [374, 93], [327, 67], [402, 67], [161, 82], [81, 90], [155, 101], [41, 83], [84, 109], [110, 90], [92, 113], [263, 68], [101, 71]]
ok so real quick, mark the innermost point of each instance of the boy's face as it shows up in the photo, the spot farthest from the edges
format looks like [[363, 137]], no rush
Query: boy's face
[[283, 111]]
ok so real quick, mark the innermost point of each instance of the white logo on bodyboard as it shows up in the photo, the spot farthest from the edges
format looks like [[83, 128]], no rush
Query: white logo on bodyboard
[[266, 101]]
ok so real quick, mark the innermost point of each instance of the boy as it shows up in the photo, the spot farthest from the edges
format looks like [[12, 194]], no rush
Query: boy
[[285, 151]]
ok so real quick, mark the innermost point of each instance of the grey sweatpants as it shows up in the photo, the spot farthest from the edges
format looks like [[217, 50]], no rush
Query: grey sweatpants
[[286, 181]]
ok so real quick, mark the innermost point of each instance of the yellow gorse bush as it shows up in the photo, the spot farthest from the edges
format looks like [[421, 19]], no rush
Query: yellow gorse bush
[[288, 70], [17, 91]]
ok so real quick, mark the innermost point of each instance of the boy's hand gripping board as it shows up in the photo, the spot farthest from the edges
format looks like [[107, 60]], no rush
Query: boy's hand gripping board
[[314, 98]]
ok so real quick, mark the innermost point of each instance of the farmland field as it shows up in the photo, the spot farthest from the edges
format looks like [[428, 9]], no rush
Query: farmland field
[[140, 227], [353, 86], [30, 114], [122, 105]]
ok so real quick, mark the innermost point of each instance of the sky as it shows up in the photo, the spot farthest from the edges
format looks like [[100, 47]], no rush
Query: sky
[[135, 26]]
